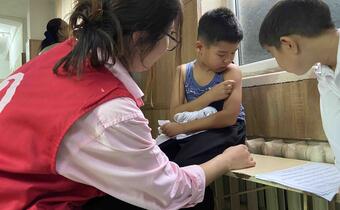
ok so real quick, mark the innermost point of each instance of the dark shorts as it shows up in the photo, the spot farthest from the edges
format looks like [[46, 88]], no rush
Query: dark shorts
[[204, 146]]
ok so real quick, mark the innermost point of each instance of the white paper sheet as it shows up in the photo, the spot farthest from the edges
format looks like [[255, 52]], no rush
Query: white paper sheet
[[318, 178]]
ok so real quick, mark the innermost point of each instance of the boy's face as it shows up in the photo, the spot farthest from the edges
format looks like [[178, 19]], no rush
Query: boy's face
[[217, 56], [292, 56]]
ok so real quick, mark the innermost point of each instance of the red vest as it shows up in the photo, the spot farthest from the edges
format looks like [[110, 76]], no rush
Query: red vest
[[37, 108]]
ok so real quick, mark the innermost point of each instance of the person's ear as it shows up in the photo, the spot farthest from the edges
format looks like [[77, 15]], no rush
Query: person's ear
[[136, 36], [289, 44], [199, 46], [62, 35]]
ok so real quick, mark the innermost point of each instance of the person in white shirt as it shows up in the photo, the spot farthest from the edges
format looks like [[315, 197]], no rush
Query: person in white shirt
[[301, 34]]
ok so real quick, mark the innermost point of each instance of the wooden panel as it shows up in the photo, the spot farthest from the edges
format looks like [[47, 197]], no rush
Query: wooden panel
[[294, 200], [157, 82], [261, 198], [319, 203], [288, 110], [218, 186], [234, 189], [189, 36], [34, 46], [163, 80], [252, 196], [272, 199]]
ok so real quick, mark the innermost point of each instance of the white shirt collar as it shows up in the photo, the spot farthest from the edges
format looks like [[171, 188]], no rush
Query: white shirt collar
[[325, 71], [123, 75]]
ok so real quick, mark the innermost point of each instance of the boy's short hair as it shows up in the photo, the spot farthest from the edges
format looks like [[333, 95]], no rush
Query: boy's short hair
[[219, 25], [309, 18]]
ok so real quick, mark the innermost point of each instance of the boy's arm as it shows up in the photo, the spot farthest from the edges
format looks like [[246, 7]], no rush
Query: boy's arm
[[177, 93], [224, 118], [177, 104]]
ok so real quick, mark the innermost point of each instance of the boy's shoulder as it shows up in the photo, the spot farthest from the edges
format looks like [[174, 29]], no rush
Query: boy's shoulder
[[183, 66], [233, 66], [181, 69], [232, 72]]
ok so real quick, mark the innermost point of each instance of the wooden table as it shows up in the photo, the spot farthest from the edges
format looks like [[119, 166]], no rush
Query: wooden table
[[265, 164]]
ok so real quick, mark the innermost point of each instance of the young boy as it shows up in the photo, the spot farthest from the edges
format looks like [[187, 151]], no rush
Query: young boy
[[212, 79], [300, 34]]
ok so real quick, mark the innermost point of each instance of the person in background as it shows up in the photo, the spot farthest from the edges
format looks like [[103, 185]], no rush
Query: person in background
[[57, 31], [72, 132], [301, 34]]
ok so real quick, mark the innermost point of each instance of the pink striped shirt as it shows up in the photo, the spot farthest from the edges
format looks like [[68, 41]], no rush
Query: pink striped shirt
[[112, 149]]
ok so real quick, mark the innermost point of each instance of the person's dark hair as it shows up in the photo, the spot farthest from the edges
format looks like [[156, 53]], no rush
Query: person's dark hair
[[219, 25], [308, 18], [51, 33], [107, 26]]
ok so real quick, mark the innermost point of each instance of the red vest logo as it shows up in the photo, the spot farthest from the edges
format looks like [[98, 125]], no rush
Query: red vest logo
[[12, 83]]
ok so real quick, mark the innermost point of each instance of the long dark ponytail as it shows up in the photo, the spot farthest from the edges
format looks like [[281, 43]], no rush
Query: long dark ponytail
[[108, 25]]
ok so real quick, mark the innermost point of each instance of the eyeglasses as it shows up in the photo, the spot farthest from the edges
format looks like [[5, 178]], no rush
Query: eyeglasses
[[173, 42]]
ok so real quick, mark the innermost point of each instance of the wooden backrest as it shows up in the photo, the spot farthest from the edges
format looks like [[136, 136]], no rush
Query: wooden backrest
[[287, 110]]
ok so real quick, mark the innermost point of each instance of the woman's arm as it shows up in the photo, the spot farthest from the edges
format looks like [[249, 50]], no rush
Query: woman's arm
[[119, 157], [112, 150], [236, 157]]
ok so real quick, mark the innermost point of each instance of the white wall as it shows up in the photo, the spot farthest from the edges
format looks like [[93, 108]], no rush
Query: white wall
[[207, 5], [38, 15], [39, 12], [15, 45], [14, 8], [15, 49], [66, 9], [29, 18], [4, 68]]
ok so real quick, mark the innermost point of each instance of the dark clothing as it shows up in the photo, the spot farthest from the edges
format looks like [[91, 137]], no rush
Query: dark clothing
[[202, 147]]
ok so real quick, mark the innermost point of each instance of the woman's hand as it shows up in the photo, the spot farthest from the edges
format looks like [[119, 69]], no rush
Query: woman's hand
[[238, 157]]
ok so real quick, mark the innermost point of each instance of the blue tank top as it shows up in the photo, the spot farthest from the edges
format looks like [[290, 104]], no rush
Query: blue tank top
[[193, 90]]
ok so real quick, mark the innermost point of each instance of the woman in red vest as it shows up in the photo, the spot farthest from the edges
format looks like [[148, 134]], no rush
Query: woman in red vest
[[71, 128]]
